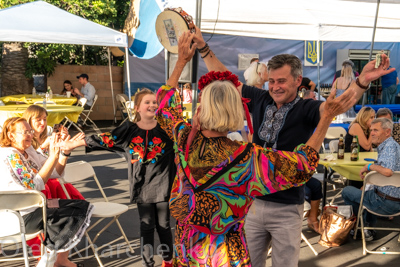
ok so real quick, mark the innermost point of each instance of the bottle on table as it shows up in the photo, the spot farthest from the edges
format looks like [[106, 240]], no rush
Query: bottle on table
[[50, 93], [44, 102], [34, 91], [354, 149], [340, 154]]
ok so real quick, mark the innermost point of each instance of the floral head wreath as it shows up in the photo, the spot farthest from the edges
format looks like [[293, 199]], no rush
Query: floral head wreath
[[206, 80], [218, 76]]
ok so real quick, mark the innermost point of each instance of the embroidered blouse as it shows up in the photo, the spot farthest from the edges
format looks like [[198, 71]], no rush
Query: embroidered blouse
[[210, 216], [19, 173], [149, 154]]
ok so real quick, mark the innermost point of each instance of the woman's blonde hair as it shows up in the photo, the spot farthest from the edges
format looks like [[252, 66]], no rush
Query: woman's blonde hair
[[137, 100], [8, 127], [221, 107], [254, 71], [362, 118], [31, 113], [347, 73]]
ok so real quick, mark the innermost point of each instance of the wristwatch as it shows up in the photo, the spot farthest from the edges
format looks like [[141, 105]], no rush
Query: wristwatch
[[365, 87]]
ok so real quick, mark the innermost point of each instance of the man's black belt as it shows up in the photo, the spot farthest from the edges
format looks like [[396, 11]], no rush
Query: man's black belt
[[386, 196]]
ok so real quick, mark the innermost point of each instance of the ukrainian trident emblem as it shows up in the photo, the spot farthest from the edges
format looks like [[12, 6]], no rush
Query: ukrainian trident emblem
[[310, 53]]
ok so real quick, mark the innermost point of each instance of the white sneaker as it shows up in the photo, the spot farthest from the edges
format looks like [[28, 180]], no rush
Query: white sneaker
[[368, 235]]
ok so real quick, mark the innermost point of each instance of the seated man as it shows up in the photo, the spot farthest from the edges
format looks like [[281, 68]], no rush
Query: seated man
[[384, 113], [387, 113], [386, 199], [87, 91]]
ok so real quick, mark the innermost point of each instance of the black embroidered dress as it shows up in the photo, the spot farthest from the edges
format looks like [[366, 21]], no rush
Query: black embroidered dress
[[150, 158]]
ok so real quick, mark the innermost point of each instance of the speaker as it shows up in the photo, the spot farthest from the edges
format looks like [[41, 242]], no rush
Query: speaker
[[189, 71]]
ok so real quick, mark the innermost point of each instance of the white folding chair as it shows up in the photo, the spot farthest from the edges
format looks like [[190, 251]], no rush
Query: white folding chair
[[307, 207], [12, 226], [375, 178], [82, 170], [121, 101], [333, 147], [81, 103], [86, 113], [334, 133]]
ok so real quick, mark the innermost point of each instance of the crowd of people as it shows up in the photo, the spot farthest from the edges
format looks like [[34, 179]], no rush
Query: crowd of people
[[221, 192]]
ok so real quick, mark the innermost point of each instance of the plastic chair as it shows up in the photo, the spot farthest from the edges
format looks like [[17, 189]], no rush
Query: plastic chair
[[307, 207], [81, 103], [121, 100], [333, 147], [12, 226], [86, 113], [82, 170], [334, 133], [377, 179], [128, 108]]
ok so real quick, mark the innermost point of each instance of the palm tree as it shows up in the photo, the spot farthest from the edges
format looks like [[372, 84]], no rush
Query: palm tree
[[12, 72]]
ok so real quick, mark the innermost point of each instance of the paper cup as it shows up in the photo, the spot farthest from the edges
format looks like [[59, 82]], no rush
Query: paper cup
[[68, 94]]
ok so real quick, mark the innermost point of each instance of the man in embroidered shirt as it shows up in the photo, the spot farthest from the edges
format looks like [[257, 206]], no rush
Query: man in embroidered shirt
[[87, 91], [281, 120], [383, 199]]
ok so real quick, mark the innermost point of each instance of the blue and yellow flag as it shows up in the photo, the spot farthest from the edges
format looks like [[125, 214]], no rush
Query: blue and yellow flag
[[310, 53]]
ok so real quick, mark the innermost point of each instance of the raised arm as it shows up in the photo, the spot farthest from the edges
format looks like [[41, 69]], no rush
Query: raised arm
[[185, 54], [211, 60], [368, 74]]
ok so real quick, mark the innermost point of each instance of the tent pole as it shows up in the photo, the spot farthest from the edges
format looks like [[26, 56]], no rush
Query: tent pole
[[372, 43], [318, 70], [195, 86], [111, 81], [128, 77], [83, 53]]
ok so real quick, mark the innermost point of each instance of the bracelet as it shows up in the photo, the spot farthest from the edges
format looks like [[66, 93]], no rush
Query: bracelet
[[65, 155], [365, 87], [206, 54], [203, 49], [368, 168]]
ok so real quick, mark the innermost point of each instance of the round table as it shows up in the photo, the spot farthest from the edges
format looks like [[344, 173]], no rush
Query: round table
[[56, 113], [30, 99]]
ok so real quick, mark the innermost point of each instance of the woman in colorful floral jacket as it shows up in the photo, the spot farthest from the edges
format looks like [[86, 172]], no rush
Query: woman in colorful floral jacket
[[217, 178]]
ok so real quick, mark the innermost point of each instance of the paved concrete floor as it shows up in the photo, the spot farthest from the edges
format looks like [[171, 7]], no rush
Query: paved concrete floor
[[111, 170]]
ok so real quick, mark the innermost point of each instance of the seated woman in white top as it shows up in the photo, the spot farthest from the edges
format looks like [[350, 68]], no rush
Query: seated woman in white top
[[22, 171]]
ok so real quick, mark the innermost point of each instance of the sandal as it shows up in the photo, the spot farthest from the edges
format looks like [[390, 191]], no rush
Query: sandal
[[314, 226]]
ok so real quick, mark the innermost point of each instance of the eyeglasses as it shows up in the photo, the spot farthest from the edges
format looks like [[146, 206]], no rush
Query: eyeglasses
[[26, 132], [186, 86]]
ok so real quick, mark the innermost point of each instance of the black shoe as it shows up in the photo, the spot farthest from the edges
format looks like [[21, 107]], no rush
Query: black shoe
[[368, 234]]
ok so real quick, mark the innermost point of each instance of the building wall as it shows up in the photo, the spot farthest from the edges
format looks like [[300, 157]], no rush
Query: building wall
[[99, 77]]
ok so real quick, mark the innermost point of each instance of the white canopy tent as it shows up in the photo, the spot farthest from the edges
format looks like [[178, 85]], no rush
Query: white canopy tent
[[325, 20], [318, 20], [40, 22]]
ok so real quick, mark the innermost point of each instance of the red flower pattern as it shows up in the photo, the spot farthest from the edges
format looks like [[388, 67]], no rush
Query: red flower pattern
[[138, 149], [154, 149], [156, 140], [137, 139], [157, 149], [151, 155]]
